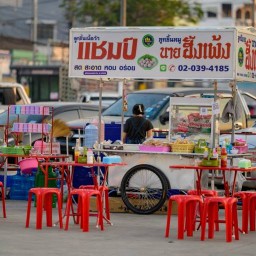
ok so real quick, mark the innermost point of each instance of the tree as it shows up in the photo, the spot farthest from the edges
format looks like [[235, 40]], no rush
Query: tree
[[139, 13]]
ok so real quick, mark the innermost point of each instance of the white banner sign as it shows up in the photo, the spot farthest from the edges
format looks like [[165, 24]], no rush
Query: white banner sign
[[246, 56], [154, 53]]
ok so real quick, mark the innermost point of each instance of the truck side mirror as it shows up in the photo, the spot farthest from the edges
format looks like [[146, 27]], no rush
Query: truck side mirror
[[164, 118]]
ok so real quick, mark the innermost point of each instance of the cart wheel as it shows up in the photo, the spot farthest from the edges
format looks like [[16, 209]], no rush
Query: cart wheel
[[144, 189]]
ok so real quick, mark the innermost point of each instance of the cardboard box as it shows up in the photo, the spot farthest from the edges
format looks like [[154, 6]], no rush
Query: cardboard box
[[117, 205]]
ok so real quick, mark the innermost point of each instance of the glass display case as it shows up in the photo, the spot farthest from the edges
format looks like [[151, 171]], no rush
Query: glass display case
[[194, 119]]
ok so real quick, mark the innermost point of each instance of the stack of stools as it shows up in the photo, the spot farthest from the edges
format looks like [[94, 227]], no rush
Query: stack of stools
[[248, 199], [3, 199], [83, 208], [187, 205], [210, 214], [43, 197]]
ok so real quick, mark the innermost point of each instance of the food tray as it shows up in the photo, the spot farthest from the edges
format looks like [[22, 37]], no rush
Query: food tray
[[206, 162], [17, 150], [151, 148], [182, 148]]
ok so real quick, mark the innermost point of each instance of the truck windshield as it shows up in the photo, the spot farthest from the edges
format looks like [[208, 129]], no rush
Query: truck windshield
[[153, 104]]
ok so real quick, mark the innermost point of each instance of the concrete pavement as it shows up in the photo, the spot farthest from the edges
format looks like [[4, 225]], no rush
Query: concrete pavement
[[130, 235]]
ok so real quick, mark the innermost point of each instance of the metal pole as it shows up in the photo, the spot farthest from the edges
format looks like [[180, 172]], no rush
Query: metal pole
[[123, 13], [214, 116], [123, 108], [253, 13], [100, 110], [35, 22]]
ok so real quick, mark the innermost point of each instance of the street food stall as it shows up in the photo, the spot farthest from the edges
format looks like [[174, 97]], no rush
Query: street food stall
[[212, 55]]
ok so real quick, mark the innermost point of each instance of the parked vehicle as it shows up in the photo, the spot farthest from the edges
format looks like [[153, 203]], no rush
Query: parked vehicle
[[247, 134], [93, 97], [12, 94], [65, 111], [156, 102]]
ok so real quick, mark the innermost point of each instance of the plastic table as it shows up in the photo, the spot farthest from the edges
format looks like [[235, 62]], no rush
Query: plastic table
[[200, 169], [40, 158], [67, 171]]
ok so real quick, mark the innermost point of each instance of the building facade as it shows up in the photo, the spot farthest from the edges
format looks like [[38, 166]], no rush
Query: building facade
[[227, 12], [34, 54]]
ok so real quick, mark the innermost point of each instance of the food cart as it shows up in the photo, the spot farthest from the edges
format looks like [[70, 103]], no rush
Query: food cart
[[161, 53]]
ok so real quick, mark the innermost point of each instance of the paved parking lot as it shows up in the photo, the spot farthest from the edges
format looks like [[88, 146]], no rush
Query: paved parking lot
[[130, 235]]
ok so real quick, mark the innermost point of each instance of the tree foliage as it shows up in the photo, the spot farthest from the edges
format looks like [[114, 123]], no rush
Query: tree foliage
[[139, 13]]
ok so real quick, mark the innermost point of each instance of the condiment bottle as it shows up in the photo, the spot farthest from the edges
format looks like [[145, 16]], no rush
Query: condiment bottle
[[214, 154], [89, 156], [206, 153], [223, 157], [77, 150]]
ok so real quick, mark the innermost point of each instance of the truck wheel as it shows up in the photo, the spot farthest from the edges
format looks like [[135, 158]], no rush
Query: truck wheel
[[144, 189]]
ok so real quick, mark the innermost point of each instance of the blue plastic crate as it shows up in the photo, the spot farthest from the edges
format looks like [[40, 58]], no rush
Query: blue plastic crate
[[113, 131]]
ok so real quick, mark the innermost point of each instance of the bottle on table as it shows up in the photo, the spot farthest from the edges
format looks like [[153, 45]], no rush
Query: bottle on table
[[223, 157], [89, 156], [77, 150], [214, 154], [206, 153]]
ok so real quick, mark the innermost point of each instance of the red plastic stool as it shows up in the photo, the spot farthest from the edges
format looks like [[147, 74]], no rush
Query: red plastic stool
[[186, 211], [3, 199], [104, 192], [204, 193], [83, 208], [210, 213], [252, 209], [44, 201], [244, 196]]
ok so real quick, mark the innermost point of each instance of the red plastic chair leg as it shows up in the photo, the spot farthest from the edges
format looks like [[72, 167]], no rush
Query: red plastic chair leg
[[252, 207], [48, 208], [39, 207], [3, 199], [69, 202], [47, 202]]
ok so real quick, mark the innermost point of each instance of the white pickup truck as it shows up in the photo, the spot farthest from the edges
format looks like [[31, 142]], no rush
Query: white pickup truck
[[12, 94]]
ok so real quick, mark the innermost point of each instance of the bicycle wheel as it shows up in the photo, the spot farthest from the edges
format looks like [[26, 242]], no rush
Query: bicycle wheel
[[144, 189]]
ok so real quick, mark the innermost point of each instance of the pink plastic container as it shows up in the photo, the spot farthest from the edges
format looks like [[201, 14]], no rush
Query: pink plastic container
[[40, 146], [242, 149], [154, 148], [27, 165]]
